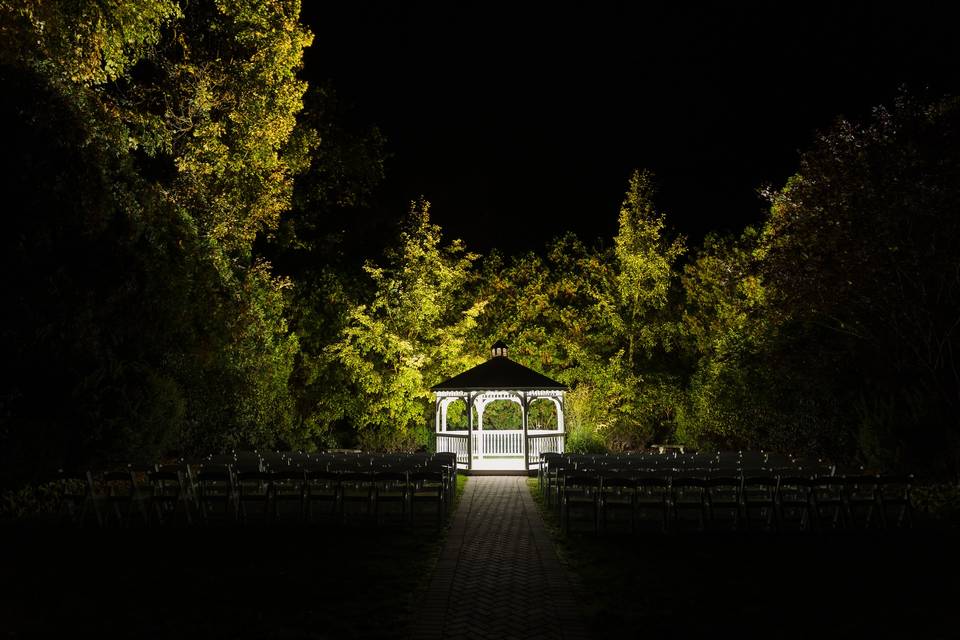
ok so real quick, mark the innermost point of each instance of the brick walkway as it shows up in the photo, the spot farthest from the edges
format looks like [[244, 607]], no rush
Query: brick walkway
[[498, 575]]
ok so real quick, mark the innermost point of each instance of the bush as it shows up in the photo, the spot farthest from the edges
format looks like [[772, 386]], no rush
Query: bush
[[585, 441], [29, 500], [938, 501]]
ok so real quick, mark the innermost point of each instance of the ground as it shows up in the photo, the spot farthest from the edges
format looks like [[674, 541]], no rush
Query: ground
[[366, 582], [230, 582], [761, 585]]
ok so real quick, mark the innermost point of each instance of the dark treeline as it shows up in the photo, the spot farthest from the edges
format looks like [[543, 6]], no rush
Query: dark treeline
[[188, 266]]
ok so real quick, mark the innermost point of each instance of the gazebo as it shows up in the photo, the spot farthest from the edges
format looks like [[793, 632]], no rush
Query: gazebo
[[499, 378]]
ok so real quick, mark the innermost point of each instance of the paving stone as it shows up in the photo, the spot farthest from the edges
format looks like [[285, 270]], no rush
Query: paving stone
[[507, 581]]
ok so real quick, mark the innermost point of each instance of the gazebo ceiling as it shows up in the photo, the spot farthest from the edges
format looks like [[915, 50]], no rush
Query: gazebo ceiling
[[499, 373]]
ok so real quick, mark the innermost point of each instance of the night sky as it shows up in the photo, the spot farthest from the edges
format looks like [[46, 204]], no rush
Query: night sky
[[519, 123]]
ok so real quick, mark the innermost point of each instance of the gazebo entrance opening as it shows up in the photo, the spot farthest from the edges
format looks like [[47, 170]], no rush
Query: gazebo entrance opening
[[499, 379]]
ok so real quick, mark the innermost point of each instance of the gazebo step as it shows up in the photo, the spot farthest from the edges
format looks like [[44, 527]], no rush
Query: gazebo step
[[498, 472]]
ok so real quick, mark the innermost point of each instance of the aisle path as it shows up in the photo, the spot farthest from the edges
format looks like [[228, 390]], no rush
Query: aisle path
[[498, 575]]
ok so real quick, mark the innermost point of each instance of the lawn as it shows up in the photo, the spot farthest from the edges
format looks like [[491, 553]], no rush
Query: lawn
[[226, 582], [690, 585]]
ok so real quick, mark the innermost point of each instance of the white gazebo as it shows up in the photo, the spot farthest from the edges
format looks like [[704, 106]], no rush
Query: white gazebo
[[499, 378]]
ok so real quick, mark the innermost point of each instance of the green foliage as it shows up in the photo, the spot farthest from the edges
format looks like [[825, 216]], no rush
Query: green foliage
[[860, 252], [645, 273], [585, 441], [182, 271], [831, 331], [600, 320], [30, 500], [939, 501], [148, 145], [408, 336]]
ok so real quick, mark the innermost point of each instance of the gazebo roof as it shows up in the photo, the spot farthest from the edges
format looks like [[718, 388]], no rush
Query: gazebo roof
[[499, 373]]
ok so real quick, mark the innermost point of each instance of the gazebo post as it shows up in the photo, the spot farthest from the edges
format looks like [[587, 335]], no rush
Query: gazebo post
[[561, 425], [523, 412], [481, 405], [469, 431]]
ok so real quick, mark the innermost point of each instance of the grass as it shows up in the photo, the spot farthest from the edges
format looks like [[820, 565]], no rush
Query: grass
[[850, 585], [229, 582]]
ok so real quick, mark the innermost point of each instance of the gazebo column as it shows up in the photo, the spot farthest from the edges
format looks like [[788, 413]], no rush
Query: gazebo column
[[481, 405], [561, 425], [524, 404], [469, 400]]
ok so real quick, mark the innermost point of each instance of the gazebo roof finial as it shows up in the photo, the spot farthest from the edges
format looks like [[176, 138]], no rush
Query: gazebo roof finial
[[498, 349]]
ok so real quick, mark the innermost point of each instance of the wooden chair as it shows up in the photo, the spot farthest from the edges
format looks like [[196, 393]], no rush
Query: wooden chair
[[426, 487], [356, 495], [169, 498], [758, 495], [289, 494], [723, 498], [254, 491], [390, 488], [75, 498], [122, 499], [863, 501], [618, 493], [653, 495], [322, 489], [828, 497], [895, 506], [794, 505], [688, 494], [216, 493]]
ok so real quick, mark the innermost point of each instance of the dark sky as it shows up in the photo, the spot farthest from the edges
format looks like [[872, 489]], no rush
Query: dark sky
[[520, 122]]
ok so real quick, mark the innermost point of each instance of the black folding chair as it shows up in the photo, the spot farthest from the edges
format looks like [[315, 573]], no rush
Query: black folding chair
[[618, 493], [759, 497], [322, 494], [723, 499], [426, 487], [289, 493], [688, 494], [896, 508], [581, 492]]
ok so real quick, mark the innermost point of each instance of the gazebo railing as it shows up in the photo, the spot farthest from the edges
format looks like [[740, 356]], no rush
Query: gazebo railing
[[538, 443], [501, 443], [453, 442]]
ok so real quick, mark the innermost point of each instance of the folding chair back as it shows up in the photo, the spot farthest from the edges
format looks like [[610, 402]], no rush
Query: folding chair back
[[254, 495], [289, 491], [426, 487], [216, 493], [759, 499], [322, 494], [896, 509], [169, 499], [723, 499]]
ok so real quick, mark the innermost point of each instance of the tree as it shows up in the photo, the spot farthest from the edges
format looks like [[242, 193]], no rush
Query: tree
[[150, 144], [747, 390], [408, 336], [861, 251], [646, 276], [598, 319]]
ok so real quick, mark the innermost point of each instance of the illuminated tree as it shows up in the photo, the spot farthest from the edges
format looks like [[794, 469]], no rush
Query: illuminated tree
[[408, 336], [148, 143], [646, 277]]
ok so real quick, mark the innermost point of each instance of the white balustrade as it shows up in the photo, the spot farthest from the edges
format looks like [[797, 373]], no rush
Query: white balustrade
[[543, 443], [501, 443], [454, 443]]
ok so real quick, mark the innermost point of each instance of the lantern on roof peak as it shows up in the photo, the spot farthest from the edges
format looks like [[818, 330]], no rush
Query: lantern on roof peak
[[499, 349]]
